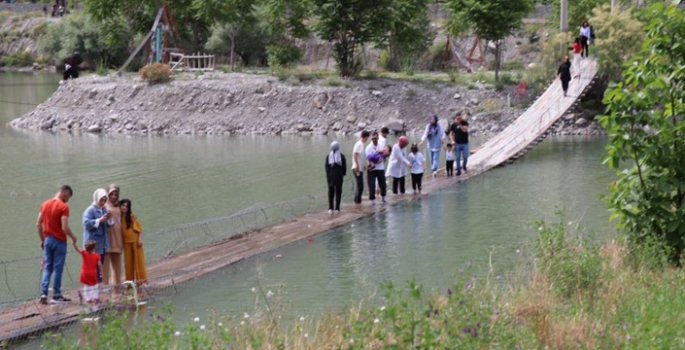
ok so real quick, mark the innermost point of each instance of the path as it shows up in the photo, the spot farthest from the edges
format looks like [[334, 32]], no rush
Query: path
[[32, 318]]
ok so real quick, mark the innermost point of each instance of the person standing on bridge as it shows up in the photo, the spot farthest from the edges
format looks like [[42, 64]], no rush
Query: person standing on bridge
[[336, 169], [96, 219], [577, 48], [397, 166], [436, 137], [459, 132], [134, 255], [53, 228], [585, 37], [359, 165], [115, 238], [376, 176], [564, 74]]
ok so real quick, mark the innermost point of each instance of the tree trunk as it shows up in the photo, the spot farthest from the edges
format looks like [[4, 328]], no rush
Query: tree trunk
[[232, 36], [498, 58]]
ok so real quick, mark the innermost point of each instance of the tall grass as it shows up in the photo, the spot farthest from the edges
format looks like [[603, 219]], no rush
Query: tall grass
[[567, 293]]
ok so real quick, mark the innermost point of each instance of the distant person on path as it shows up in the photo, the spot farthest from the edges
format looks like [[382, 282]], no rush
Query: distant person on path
[[382, 143], [577, 48], [71, 66], [417, 168], [336, 169], [115, 238], [53, 228], [397, 165], [449, 159], [564, 74], [134, 255], [96, 219], [436, 137], [376, 155], [359, 166], [585, 38], [459, 132], [91, 264]]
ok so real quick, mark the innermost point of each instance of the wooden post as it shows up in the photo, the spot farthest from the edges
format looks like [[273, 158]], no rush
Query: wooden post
[[564, 16]]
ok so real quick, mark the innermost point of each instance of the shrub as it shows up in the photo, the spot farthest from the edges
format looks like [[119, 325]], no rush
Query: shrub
[[283, 55], [507, 79], [22, 58], [614, 30], [512, 65], [434, 56], [156, 73]]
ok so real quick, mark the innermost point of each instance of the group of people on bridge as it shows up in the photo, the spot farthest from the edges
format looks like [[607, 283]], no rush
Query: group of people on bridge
[[380, 160], [110, 229], [580, 49]]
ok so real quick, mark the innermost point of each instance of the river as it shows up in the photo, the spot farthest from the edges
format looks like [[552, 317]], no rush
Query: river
[[182, 179]]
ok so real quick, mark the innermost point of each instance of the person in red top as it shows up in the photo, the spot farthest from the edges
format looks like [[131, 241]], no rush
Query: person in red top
[[577, 48], [53, 228], [89, 271]]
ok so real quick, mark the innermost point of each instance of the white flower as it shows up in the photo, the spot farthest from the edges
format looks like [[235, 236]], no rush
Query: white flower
[[518, 251], [269, 294], [540, 228], [383, 308], [301, 318], [253, 289], [196, 319], [246, 316], [306, 335], [570, 223], [177, 333], [220, 324], [376, 321], [242, 323], [202, 328], [351, 340]]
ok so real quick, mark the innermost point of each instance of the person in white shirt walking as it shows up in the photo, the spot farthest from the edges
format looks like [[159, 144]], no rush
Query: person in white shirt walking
[[358, 166], [397, 166], [376, 176], [417, 168]]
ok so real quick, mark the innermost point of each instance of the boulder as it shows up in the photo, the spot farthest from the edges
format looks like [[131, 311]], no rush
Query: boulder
[[48, 124], [337, 126], [474, 101], [396, 125], [301, 127], [361, 125], [376, 93], [457, 96], [352, 119], [95, 128], [581, 122], [261, 109]]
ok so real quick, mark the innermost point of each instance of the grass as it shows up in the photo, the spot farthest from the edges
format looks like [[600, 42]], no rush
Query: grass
[[567, 293]]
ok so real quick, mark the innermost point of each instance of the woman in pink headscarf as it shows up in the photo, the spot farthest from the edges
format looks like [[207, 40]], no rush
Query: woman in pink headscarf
[[398, 165]]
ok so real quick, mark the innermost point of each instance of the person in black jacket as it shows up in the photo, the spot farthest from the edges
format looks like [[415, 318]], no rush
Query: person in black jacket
[[336, 169], [564, 74]]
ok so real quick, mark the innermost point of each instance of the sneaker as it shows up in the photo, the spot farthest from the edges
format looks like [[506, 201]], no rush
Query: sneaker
[[330, 211], [458, 173], [383, 200], [43, 299], [337, 212], [58, 299]]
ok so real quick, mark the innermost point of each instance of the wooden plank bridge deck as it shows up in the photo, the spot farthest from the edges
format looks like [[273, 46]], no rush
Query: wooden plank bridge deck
[[529, 129]]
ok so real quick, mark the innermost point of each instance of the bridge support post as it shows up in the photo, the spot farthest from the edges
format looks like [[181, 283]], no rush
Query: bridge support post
[[564, 16]]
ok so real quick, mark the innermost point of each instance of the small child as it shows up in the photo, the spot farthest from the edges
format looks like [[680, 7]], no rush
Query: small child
[[449, 159], [417, 168], [378, 157], [89, 271]]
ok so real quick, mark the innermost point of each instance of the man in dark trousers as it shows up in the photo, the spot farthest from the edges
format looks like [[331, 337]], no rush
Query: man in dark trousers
[[459, 133], [359, 165]]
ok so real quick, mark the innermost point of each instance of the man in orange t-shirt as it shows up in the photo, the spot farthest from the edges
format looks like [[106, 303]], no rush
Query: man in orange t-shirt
[[53, 228]]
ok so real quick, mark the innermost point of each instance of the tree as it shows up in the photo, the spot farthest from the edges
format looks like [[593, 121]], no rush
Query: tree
[[646, 127], [350, 24], [613, 31], [409, 33], [492, 20], [284, 21]]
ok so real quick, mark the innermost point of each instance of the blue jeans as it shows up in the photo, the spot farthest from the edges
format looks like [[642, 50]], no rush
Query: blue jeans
[[462, 150], [435, 159], [54, 255]]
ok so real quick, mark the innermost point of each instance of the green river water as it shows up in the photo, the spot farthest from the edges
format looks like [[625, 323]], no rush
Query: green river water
[[183, 179]]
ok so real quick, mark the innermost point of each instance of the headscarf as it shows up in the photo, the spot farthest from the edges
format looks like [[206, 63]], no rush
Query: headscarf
[[99, 193], [403, 141], [433, 127], [334, 157], [112, 188]]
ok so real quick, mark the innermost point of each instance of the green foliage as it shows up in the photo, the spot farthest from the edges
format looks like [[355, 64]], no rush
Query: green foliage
[[434, 55], [508, 79], [578, 11], [647, 200], [156, 73], [18, 59], [283, 55], [614, 30], [573, 264], [409, 34], [97, 42], [350, 25], [250, 43]]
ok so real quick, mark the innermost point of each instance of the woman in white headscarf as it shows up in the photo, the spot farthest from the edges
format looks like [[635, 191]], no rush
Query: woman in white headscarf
[[95, 223], [336, 169], [115, 237]]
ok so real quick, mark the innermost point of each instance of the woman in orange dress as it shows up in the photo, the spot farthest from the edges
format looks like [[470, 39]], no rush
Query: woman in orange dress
[[134, 256], [114, 237]]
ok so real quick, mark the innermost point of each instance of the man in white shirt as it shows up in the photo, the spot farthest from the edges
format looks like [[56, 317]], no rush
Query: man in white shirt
[[376, 175], [359, 165]]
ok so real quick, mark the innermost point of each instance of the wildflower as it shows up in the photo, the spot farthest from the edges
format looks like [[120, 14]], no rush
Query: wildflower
[[202, 327], [540, 228], [242, 323], [376, 321], [498, 277], [474, 333], [269, 294], [570, 223], [383, 308], [246, 316], [253, 289], [196, 319], [449, 291], [301, 318], [466, 330], [518, 251], [177, 333], [478, 325], [306, 335], [220, 324], [351, 340]]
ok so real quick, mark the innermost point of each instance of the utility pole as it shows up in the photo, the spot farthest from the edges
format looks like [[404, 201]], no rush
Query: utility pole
[[564, 15]]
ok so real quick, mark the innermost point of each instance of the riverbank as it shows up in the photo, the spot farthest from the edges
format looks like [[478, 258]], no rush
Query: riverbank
[[237, 103], [565, 292]]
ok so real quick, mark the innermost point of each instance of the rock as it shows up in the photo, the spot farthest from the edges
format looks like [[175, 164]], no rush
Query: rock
[[581, 122], [261, 109], [376, 93], [457, 96], [361, 125], [337, 126], [113, 117], [301, 127], [129, 126], [569, 116], [48, 124], [474, 101], [352, 119], [396, 125], [95, 128], [494, 128]]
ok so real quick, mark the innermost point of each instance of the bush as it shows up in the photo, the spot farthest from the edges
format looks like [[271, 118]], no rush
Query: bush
[[283, 55], [507, 79], [18, 59], [512, 65], [434, 56], [385, 60], [156, 73]]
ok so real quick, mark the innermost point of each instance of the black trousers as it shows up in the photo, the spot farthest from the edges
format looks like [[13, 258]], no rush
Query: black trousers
[[358, 186], [416, 181], [372, 176], [584, 46], [564, 84], [334, 193], [449, 167], [398, 182]]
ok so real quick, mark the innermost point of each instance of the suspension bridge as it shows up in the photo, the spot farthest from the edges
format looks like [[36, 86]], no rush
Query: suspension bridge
[[201, 248]]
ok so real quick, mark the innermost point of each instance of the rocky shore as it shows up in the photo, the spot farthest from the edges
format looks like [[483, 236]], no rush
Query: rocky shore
[[225, 104]]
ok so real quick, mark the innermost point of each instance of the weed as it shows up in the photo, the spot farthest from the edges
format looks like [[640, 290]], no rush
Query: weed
[[156, 73]]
